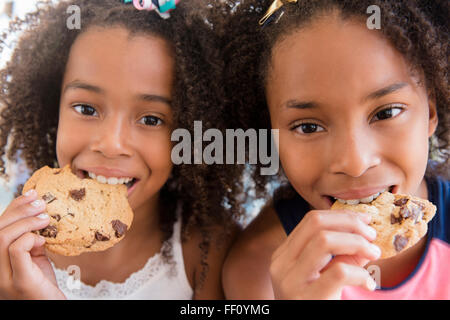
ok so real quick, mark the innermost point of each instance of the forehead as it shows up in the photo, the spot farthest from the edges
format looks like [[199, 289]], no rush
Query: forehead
[[111, 57], [334, 56]]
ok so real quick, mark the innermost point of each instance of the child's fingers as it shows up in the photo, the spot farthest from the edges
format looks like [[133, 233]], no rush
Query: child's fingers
[[332, 281], [319, 251], [27, 197], [10, 234], [337, 220], [288, 276], [315, 221], [15, 230], [5, 269], [353, 260], [22, 211], [38, 251], [19, 253]]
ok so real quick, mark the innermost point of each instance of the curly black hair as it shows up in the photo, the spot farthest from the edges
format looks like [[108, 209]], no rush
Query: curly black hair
[[418, 29], [30, 95]]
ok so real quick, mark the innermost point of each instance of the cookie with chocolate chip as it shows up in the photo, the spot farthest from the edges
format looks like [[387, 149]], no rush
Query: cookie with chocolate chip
[[85, 215], [400, 220]]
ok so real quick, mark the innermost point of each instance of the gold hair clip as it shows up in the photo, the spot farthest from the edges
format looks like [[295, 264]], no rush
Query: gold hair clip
[[277, 4]]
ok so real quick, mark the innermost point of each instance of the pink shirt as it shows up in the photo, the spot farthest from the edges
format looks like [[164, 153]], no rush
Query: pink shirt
[[430, 279]]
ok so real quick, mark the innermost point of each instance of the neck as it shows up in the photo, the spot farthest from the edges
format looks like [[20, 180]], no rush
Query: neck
[[145, 221]]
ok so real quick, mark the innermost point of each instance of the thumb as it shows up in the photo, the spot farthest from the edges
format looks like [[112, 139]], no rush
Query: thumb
[[352, 260], [38, 249], [20, 255]]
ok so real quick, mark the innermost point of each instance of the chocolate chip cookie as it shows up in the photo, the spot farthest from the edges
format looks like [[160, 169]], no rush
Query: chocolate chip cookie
[[400, 220], [85, 215]]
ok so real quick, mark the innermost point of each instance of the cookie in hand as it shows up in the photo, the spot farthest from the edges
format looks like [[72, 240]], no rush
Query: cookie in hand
[[85, 215], [400, 220]]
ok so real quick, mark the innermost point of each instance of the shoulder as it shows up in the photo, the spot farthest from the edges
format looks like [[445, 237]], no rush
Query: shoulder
[[439, 195], [246, 269], [204, 270], [444, 193], [440, 186]]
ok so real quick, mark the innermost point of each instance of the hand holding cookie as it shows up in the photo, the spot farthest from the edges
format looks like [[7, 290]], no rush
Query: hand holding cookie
[[303, 267], [25, 271]]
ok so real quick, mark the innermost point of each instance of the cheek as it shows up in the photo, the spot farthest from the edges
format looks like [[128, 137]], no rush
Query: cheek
[[410, 148], [300, 162], [67, 143], [157, 151]]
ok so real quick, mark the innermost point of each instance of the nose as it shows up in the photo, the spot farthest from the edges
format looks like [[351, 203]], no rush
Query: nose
[[112, 138], [353, 153]]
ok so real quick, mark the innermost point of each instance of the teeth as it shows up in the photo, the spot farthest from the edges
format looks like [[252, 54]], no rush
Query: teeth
[[363, 200], [111, 180], [367, 199]]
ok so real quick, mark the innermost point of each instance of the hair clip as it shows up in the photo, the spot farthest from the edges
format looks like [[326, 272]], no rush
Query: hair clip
[[162, 7], [270, 13]]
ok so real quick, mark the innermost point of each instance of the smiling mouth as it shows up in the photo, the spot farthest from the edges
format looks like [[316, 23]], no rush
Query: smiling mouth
[[129, 182], [365, 200]]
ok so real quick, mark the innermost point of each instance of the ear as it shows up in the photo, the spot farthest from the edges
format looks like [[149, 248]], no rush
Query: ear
[[433, 116]]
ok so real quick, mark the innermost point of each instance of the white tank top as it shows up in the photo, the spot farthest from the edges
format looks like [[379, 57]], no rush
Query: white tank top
[[157, 280]]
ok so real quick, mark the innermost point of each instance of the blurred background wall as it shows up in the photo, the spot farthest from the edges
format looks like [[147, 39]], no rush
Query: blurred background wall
[[10, 10]]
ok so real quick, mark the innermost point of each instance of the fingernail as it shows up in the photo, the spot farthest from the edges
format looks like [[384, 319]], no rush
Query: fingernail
[[37, 203], [30, 193], [371, 284], [42, 216], [372, 233], [376, 250]]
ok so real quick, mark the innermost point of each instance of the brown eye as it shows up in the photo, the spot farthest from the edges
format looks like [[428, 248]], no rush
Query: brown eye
[[308, 128], [387, 113], [85, 109], [151, 121]]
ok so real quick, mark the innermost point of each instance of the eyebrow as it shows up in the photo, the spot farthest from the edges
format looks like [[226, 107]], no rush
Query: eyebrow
[[143, 97], [81, 85], [300, 105], [385, 91], [154, 97], [374, 95]]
